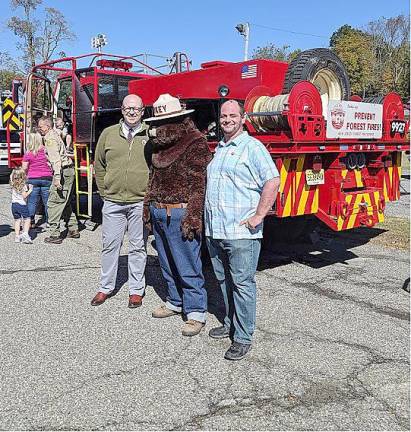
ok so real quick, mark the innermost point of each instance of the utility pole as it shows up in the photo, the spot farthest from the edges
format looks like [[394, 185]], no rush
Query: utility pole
[[244, 30]]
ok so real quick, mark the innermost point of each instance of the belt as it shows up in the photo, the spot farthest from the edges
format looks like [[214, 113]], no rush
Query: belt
[[67, 166], [167, 206]]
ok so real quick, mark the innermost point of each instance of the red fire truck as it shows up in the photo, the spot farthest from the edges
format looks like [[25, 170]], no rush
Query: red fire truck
[[339, 157]]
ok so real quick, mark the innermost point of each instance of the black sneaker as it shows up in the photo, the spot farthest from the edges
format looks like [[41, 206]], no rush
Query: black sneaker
[[237, 351], [219, 332], [52, 239]]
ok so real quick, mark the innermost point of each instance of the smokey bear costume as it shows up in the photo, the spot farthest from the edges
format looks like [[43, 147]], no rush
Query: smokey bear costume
[[174, 210]]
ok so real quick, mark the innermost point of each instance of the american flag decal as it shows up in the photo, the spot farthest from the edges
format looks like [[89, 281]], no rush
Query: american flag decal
[[249, 71]]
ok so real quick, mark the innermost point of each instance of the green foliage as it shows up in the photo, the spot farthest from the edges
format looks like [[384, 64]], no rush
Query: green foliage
[[272, 52], [342, 32], [8, 72], [377, 59], [353, 47], [6, 77]]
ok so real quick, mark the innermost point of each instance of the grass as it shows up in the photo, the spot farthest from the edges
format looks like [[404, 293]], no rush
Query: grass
[[405, 163], [397, 234], [394, 233]]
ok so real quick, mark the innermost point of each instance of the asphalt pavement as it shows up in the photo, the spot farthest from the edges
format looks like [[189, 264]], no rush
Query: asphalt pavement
[[331, 348]]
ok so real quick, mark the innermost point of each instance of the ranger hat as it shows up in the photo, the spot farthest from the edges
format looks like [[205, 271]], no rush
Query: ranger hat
[[338, 109], [167, 106]]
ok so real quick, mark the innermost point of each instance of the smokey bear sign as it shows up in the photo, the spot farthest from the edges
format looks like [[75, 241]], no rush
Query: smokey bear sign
[[355, 120]]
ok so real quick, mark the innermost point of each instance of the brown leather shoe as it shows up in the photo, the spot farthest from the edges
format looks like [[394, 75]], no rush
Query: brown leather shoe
[[73, 234], [134, 301], [99, 299]]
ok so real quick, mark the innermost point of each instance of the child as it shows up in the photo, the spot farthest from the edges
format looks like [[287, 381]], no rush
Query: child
[[19, 193], [62, 130]]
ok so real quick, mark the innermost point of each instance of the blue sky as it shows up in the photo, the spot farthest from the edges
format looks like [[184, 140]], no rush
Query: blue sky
[[206, 30]]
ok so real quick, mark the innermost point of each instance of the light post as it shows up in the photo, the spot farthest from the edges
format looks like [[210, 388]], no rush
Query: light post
[[244, 30], [99, 41]]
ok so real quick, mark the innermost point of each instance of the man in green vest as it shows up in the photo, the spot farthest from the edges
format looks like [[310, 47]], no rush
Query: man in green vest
[[122, 176]]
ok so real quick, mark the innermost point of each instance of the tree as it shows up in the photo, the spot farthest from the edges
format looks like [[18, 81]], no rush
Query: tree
[[377, 58], [39, 40], [8, 71], [273, 52], [354, 48], [391, 48]]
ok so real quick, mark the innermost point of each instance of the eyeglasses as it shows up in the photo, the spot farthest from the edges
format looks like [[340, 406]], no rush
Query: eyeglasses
[[128, 110]]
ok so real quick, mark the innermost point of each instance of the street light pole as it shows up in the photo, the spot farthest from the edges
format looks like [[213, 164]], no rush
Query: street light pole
[[99, 41], [244, 30], [246, 38]]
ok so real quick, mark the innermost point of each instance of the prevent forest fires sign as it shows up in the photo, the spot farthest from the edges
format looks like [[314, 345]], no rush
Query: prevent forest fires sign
[[354, 120]]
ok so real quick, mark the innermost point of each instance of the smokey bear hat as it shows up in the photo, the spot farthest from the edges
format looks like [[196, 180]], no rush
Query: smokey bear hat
[[167, 106]]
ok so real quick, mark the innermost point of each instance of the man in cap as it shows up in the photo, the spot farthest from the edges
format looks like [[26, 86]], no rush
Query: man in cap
[[121, 177], [61, 191], [242, 183], [174, 209]]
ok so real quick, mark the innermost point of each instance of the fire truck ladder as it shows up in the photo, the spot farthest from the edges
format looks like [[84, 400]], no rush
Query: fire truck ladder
[[83, 171]]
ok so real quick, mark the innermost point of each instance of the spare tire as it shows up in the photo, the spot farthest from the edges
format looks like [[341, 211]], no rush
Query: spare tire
[[374, 100], [324, 69]]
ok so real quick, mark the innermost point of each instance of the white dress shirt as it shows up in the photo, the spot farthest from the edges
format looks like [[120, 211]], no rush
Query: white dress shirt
[[135, 130]]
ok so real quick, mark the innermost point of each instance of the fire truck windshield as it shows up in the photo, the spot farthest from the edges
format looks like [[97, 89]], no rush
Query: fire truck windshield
[[41, 94], [112, 89]]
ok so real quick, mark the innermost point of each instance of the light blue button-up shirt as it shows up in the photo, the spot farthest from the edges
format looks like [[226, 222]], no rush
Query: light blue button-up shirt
[[235, 180]]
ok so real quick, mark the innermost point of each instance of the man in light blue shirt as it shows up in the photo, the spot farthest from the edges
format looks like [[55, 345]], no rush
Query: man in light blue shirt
[[242, 183]]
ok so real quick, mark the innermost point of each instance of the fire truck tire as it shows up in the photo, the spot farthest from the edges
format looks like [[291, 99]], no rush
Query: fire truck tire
[[374, 100], [324, 69]]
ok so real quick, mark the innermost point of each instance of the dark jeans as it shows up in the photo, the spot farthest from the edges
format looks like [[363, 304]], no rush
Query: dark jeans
[[180, 263], [40, 190]]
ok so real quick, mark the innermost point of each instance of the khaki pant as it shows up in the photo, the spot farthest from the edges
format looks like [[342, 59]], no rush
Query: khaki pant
[[117, 219], [59, 204]]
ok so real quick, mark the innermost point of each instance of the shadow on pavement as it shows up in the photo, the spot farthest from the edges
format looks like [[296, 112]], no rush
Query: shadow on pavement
[[215, 298], [406, 285], [122, 274], [155, 279], [319, 248], [5, 230]]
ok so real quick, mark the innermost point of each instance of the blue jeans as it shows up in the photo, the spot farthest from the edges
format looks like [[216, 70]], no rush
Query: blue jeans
[[180, 262], [235, 264], [19, 211], [40, 189]]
